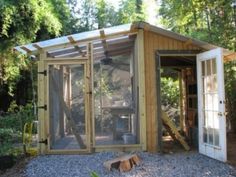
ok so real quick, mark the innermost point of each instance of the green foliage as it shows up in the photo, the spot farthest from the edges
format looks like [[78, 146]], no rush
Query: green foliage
[[11, 127], [21, 20], [8, 135], [130, 11], [5, 149], [96, 14], [94, 174], [17, 116], [25, 21], [230, 87], [169, 92], [9, 149], [211, 21]]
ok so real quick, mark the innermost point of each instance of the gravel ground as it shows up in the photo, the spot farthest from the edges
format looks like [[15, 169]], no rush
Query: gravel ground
[[186, 164]]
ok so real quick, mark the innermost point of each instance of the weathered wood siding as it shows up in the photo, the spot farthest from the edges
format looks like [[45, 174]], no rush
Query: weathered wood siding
[[153, 42]]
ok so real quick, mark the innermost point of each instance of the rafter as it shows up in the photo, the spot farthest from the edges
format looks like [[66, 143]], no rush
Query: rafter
[[26, 49], [72, 41]]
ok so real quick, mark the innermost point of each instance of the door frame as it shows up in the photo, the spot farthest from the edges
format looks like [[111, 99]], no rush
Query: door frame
[[70, 61], [158, 54]]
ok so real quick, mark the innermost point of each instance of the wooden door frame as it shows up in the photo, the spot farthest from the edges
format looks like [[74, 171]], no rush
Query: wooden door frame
[[87, 107], [158, 55]]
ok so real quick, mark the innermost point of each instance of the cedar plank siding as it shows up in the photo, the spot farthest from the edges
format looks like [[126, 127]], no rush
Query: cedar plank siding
[[153, 42]]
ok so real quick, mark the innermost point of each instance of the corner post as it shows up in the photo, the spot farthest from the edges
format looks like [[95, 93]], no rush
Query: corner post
[[158, 92], [141, 90], [42, 89]]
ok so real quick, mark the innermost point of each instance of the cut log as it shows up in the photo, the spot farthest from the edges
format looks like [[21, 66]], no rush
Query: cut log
[[123, 163]]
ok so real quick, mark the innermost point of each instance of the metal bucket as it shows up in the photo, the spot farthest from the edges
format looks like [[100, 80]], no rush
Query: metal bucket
[[129, 138]]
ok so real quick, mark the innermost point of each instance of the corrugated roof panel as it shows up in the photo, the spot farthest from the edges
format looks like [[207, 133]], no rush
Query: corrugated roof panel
[[116, 29], [77, 37]]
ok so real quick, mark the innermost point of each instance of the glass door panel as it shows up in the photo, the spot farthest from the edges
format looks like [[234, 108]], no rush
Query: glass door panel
[[211, 108]]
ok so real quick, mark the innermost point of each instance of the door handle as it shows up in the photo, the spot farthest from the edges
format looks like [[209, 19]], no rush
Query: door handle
[[220, 114]]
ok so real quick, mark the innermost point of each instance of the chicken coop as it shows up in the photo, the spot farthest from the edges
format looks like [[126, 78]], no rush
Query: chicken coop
[[100, 90]]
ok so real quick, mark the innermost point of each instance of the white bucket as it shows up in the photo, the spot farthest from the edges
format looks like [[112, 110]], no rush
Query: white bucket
[[129, 138]]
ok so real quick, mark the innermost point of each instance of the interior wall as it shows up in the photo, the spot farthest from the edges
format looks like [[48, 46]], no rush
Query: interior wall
[[152, 43]]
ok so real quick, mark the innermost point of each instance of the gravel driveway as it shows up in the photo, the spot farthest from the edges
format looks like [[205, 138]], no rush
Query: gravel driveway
[[185, 164]]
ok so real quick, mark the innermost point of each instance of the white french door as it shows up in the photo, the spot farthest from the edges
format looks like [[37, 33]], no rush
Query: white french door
[[211, 104]]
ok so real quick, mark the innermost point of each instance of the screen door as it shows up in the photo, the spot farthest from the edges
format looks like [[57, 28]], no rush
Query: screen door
[[211, 107], [67, 107]]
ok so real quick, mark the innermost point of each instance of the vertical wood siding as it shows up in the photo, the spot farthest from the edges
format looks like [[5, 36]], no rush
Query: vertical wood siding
[[153, 42]]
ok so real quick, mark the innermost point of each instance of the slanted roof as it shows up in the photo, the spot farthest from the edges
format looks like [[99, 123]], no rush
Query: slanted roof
[[107, 37]]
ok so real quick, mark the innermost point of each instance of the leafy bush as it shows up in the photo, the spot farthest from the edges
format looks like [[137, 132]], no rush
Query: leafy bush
[[7, 138], [230, 94], [11, 127], [17, 117], [170, 92], [7, 135], [5, 149]]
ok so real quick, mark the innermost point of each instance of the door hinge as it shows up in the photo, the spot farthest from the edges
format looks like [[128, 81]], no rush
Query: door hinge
[[44, 141], [43, 107], [43, 72]]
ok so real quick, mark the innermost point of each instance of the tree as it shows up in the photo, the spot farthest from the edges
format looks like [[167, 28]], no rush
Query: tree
[[211, 21], [130, 11], [97, 14], [25, 21]]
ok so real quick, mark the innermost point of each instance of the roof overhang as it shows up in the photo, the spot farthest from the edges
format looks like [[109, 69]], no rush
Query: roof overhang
[[103, 38], [228, 55]]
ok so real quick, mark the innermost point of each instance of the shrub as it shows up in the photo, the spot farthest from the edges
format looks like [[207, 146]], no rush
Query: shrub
[[170, 92], [11, 127]]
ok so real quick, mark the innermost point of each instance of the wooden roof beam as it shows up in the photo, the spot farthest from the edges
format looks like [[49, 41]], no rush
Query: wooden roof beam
[[230, 57], [99, 57], [72, 41], [113, 53], [115, 47], [37, 47], [26, 49], [97, 47], [104, 42]]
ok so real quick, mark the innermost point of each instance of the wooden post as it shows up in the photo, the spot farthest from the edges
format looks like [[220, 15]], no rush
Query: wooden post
[[141, 88], [69, 98], [90, 105], [133, 121], [158, 91], [184, 87], [181, 101], [41, 102], [61, 111]]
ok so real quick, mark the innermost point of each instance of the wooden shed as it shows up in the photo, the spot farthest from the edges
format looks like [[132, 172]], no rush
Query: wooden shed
[[100, 90]]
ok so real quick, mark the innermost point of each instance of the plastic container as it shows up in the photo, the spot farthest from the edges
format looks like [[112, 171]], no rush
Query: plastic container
[[129, 138]]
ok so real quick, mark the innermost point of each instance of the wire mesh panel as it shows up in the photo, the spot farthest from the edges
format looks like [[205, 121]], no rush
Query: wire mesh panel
[[67, 106], [116, 121]]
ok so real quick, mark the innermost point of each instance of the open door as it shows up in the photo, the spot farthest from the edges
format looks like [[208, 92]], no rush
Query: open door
[[211, 104]]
